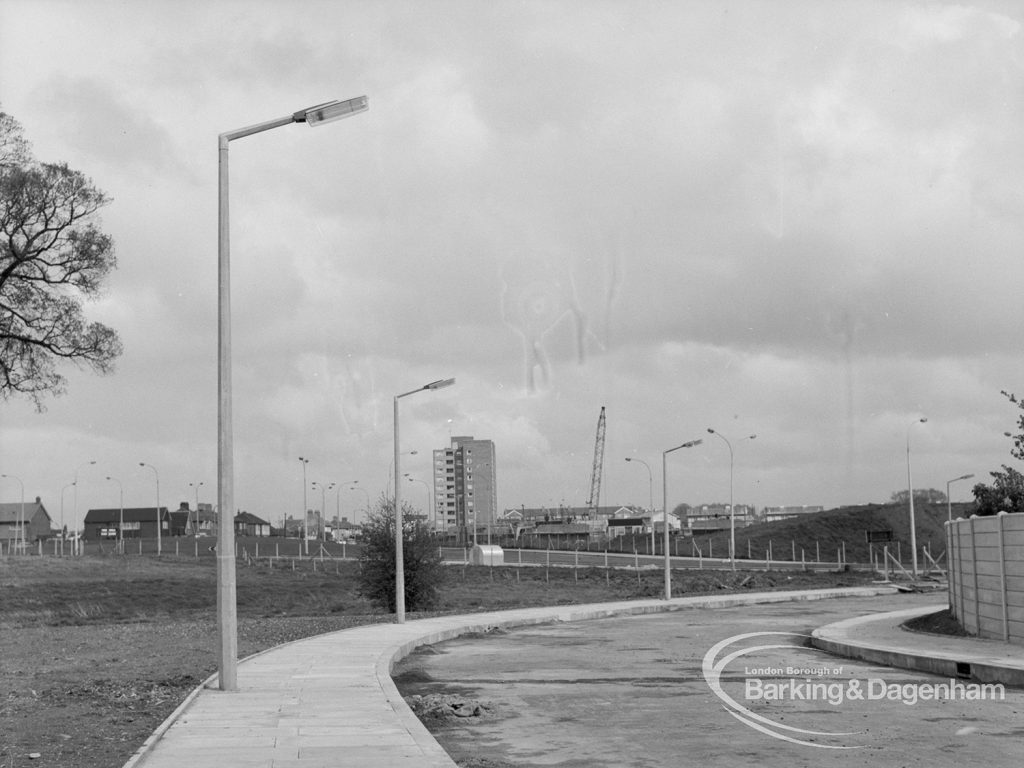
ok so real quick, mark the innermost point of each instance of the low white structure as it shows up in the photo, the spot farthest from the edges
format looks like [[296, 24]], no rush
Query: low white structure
[[486, 554]]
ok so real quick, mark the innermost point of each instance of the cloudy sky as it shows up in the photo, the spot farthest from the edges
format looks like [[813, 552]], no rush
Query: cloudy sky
[[799, 220]]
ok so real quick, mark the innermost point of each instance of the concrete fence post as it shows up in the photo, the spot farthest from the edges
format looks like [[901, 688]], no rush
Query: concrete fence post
[[960, 569], [953, 564], [1001, 518], [974, 569]]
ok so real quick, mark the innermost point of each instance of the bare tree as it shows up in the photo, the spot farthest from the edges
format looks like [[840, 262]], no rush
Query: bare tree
[[52, 256]]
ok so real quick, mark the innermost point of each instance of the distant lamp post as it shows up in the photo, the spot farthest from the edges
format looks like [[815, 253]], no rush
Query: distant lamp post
[[664, 501], [391, 466], [322, 533], [159, 520], [195, 525], [949, 501], [120, 524], [910, 491], [355, 487], [74, 495], [430, 505], [650, 488], [21, 515], [63, 526], [732, 509], [227, 612], [399, 557], [305, 509]]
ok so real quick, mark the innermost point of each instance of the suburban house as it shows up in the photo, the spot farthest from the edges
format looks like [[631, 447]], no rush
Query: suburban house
[[343, 530], [247, 524], [133, 523], [193, 522], [32, 515]]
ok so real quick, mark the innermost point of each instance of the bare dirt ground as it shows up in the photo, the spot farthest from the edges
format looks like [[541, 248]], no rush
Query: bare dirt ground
[[97, 652]]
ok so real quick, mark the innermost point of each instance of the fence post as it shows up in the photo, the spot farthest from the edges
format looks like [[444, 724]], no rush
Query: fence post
[[974, 568], [960, 571], [1001, 517]]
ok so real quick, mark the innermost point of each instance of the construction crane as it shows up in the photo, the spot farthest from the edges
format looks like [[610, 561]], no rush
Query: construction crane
[[595, 476]]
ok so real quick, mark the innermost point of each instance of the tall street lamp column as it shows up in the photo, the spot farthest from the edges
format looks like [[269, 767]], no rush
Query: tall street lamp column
[[63, 525], [188, 516], [159, 520], [399, 556], [664, 501], [732, 508], [355, 487], [74, 495], [650, 488], [227, 612], [120, 524], [305, 509], [430, 508], [949, 501], [910, 491]]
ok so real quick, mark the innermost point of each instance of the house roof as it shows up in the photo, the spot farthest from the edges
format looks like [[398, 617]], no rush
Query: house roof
[[249, 519], [193, 515], [10, 511], [131, 515]]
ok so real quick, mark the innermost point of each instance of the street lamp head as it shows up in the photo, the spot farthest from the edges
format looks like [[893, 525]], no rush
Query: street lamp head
[[711, 431], [924, 419], [330, 111], [691, 444], [440, 383]]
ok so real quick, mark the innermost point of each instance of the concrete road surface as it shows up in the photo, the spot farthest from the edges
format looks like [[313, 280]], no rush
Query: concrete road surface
[[708, 687]]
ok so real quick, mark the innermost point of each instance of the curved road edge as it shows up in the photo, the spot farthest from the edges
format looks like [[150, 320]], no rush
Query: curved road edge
[[882, 639], [369, 683]]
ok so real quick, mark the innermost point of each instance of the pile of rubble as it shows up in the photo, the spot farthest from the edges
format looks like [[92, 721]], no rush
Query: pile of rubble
[[441, 706]]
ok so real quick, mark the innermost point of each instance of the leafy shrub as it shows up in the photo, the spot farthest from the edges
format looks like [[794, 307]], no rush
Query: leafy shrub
[[423, 568]]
